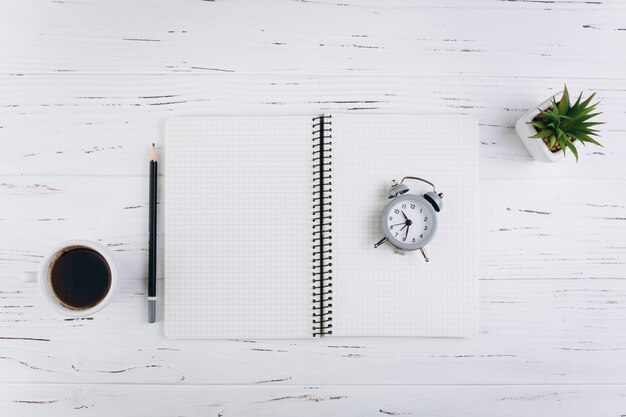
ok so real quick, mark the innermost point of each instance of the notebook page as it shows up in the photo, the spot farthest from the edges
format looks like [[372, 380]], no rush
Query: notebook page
[[238, 227], [377, 292]]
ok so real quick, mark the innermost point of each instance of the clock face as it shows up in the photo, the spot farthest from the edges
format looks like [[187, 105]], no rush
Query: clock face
[[409, 222]]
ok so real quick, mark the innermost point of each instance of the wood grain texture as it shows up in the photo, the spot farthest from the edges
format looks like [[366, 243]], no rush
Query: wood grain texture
[[560, 331], [487, 37], [168, 400], [86, 86], [101, 125], [575, 230]]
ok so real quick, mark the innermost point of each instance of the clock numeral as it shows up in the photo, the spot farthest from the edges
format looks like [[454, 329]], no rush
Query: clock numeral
[[420, 210], [425, 219], [404, 206], [413, 240], [390, 227], [412, 206], [390, 217], [422, 235], [397, 211], [425, 227], [404, 239]]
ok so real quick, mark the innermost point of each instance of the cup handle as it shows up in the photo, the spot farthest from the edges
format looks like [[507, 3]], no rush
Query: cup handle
[[28, 276]]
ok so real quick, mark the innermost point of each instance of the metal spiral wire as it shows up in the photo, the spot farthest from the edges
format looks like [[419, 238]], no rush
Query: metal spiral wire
[[322, 226]]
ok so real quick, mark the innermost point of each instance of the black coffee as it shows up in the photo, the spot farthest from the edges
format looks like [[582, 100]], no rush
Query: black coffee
[[80, 278]]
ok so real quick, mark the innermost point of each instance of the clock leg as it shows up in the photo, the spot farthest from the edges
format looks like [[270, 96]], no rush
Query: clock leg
[[383, 240], [424, 254]]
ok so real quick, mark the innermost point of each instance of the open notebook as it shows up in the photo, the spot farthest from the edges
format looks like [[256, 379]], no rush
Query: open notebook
[[243, 225]]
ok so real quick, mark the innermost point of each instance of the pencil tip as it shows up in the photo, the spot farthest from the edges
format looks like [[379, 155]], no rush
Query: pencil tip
[[153, 153]]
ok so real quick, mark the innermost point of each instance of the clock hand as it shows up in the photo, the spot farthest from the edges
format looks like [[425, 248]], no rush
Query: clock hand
[[405, 218], [403, 227], [407, 231], [398, 224]]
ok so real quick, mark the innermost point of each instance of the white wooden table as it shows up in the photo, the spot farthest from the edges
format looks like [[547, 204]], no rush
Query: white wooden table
[[85, 87]]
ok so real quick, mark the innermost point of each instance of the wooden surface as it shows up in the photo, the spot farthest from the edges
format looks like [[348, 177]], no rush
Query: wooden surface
[[86, 86]]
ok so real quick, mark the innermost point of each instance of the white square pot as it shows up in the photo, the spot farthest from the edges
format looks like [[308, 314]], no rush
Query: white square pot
[[536, 146]]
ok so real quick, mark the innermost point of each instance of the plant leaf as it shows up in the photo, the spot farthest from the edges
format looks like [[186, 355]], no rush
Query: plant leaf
[[588, 139], [543, 134], [585, 103], [572, 147], [587, 124], [538, 125], [564, 104], [552, 142]]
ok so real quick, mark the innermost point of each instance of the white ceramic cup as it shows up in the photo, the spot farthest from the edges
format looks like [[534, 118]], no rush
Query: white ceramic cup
[[45, 287]]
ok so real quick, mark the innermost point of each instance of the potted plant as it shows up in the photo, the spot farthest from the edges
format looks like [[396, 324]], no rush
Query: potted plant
[[557, 125]]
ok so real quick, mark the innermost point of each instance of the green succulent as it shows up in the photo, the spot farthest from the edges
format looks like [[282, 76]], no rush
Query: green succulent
[[563, 123]]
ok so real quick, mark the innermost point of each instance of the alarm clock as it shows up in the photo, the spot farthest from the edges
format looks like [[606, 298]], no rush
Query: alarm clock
[[409, 221]]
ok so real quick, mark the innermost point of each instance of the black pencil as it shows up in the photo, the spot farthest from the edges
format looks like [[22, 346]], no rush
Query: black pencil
[[152, 249]]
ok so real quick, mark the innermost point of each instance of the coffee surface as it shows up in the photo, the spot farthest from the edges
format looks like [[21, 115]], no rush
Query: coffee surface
[[80, 278]]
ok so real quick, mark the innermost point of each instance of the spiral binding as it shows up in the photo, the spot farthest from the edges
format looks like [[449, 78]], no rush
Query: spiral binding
[[322, 223]]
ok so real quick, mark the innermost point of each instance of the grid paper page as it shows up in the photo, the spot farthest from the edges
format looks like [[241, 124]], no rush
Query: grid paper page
[[377, 292], [238, 227]]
